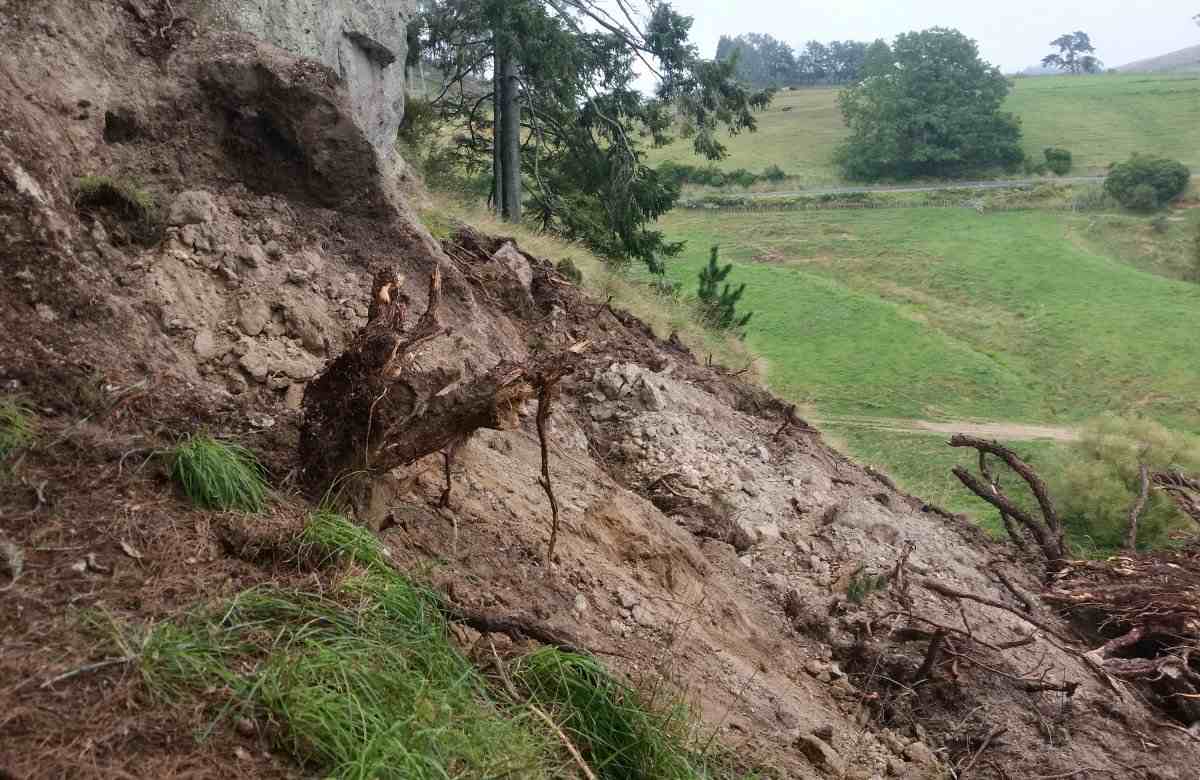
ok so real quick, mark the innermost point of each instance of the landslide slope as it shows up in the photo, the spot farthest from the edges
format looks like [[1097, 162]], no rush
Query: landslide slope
[[189, 225]]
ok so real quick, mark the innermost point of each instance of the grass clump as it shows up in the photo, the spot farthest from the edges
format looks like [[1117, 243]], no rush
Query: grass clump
[[329, 537], [364, 681], [219, 475], [361, 683], [863, 584], [16, 426], [122, 197], [622, 736]]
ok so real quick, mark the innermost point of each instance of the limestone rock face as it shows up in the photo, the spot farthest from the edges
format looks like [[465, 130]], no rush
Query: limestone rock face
[[363, 41]]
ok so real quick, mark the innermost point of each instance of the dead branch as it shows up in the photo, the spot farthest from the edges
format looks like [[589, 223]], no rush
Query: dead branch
[[512, 691], [125, 659], [515, 627], [1013, 532], [1136, 510], [1183, 490], [1048, 532], [931, 657], [949, 592], [545, 394], [1020, 595], [991, 735]]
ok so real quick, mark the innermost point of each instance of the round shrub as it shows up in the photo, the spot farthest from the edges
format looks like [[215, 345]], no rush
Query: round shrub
[[1097, 480], [1144, 183], [1058, 160]]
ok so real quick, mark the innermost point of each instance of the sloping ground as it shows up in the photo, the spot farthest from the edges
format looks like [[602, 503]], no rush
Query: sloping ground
[[711, 544], [1187, 59]]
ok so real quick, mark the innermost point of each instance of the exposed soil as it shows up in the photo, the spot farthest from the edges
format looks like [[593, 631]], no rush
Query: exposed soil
[[709, 540]]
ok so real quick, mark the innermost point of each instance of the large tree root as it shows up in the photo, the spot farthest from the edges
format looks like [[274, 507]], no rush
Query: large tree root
[[374, 409]]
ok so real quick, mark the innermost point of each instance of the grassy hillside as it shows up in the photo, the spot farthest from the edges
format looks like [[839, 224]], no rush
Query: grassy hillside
[[1185, 60], [1099, 118], [947, 314]]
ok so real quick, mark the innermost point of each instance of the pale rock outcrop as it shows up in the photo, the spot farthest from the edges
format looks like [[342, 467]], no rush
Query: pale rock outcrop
[[363, 41]]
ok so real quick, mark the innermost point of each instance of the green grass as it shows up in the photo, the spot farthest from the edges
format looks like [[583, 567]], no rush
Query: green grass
[[127, 199], [947, 314], [1099, 119], [1168, 250], [16, 426], [219, 475], [620, 736], [364, 681]]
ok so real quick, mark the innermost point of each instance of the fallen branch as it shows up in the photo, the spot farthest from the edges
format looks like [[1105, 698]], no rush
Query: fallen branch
[[536, 710], [88, 668], [1136, 510], [931, 657], [545, 394], [1048, 532]]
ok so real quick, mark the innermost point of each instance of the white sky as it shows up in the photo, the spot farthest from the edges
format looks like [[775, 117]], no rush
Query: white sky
[[1011, 33]]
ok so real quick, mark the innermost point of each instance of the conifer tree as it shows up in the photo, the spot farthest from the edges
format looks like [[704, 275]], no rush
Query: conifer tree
[[720, 307]]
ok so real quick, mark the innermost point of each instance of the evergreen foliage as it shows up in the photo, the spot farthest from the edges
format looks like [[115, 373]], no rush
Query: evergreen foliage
[[719, 307]]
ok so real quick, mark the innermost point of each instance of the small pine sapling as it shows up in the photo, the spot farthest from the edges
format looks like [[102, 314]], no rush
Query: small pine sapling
[[719, 307]]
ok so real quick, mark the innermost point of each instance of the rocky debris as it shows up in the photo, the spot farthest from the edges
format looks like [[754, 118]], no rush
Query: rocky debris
[[265, 359], [294, 397], [191, 207], [919, 753], [253, 255], [253, 315], [820, 754], [206, 345]]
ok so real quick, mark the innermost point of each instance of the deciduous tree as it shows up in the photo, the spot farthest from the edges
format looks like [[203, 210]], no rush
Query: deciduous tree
[[1075, 54], [930, 109]]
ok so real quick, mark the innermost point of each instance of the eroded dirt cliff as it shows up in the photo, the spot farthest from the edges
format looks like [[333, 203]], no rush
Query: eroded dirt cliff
[[709, 539]]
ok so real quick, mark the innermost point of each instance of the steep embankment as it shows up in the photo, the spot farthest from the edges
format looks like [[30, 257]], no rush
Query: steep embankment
[[711, 544]]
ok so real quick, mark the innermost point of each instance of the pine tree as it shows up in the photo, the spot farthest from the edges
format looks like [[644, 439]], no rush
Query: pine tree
[[719, 308]]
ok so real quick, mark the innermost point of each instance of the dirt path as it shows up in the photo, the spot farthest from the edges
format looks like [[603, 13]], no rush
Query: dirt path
[[1004, 431]]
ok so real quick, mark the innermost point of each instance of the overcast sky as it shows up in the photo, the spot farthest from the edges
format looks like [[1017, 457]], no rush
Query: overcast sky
[[1011, 33]]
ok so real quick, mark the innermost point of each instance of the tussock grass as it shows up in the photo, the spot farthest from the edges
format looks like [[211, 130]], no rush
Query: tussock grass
[[363, 681], [330, 537], [127, 200], [219, 475], [629, 291], [621, 737], [17, 427]]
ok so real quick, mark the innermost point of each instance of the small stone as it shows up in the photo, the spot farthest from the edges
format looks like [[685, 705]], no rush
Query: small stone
[[254, 316], [294, 397], [895, 767], [297, 275], [245, 727], [581, 604], [628, 598], [644, 617], [820, 754], [79, 567], [824, 732], [815, 667], [255, 364], [192, 207], [242, 754], [273, 249], [919, 753], [45, 313], [253, 255], [261, 421], [206, 346]]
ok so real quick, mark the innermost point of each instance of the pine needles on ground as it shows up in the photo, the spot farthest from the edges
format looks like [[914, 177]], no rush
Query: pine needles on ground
[[219, 475]]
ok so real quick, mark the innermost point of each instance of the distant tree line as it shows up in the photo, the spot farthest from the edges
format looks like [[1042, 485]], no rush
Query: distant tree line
[[765, 61]]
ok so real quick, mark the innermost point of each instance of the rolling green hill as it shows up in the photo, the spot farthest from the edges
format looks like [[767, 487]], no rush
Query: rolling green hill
[[947, 314], [1099, 118]]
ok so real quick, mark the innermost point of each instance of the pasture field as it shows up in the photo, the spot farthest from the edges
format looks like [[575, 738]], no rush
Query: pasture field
[[946, 314], [1100, 119]]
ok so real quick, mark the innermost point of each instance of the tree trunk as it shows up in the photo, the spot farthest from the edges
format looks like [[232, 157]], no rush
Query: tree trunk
[[497, 134], [510, 144]]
